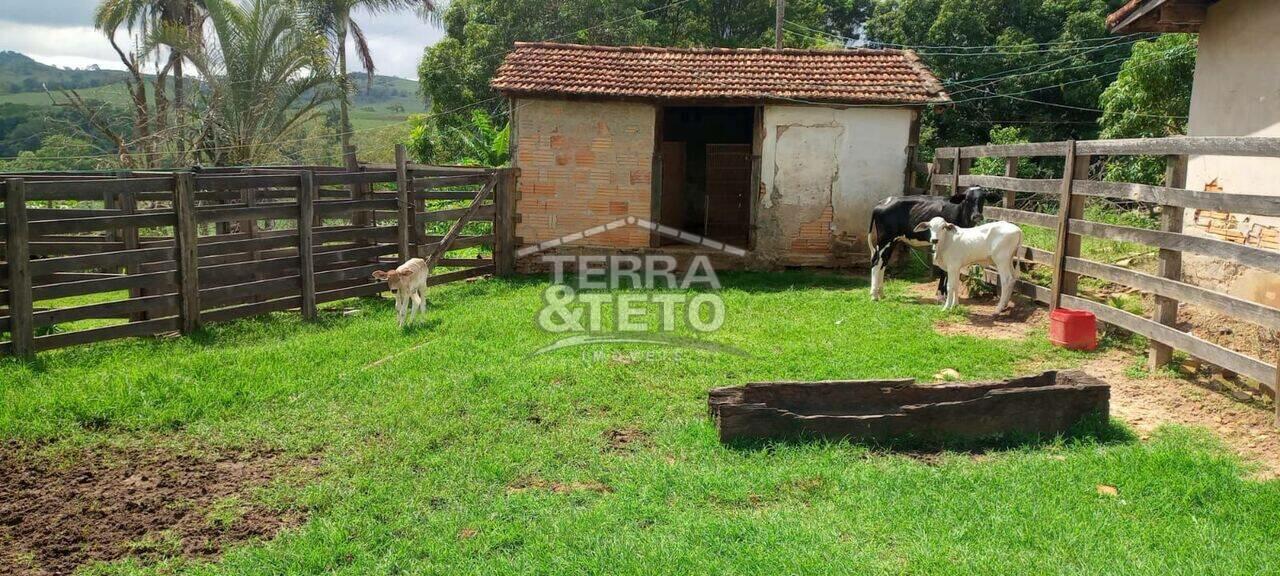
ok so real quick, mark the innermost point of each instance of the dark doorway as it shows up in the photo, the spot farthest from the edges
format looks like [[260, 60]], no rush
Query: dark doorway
[[706, 172]]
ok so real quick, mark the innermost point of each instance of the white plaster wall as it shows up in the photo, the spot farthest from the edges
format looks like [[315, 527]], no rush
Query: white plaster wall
[[813, 157], [1237, 93]]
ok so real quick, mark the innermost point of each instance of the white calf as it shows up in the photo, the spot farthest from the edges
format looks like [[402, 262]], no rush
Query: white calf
[[954, 248], [409, 283]]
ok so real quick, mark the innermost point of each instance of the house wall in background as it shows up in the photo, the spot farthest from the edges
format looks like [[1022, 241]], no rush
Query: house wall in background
[[583, 164], [1237, 93], [823, 170]]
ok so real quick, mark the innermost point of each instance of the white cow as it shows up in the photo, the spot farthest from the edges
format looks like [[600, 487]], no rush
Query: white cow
[[955, 248], [409, 283]]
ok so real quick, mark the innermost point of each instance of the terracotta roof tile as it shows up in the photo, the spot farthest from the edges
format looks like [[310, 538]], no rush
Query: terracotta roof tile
[[858, 76]]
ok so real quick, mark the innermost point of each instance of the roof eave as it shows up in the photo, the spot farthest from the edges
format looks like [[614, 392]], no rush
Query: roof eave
[[941, 100], [1160, 16]]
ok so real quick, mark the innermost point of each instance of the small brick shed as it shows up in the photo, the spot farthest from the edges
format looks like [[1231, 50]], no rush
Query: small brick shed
[[781, 152]]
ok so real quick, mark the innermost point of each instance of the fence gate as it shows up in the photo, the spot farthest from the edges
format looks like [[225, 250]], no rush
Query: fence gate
[[97, 257]]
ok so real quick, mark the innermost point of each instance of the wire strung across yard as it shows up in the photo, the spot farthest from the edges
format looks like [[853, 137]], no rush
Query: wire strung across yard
[[1085, 46], [1001, 47]]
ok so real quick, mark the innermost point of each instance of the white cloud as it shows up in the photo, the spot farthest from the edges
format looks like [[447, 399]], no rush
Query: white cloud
[[396, 40], [60, 45], [58, 32]]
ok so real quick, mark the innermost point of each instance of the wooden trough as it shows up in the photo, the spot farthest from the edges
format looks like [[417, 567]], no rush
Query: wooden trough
[[899, 411]]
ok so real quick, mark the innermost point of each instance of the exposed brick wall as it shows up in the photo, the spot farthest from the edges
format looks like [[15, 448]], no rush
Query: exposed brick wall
[[1227, 227], [583, 164], [815, 237]]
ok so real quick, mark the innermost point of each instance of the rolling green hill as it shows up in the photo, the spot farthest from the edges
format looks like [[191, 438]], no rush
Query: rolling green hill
[[27, 114], [23, 81], [20, 74]]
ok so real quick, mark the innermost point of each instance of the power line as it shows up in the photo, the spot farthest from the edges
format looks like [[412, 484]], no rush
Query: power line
[[990, 95], [1085, 109], [1014, 73], [1045, 67], [1001, 48]]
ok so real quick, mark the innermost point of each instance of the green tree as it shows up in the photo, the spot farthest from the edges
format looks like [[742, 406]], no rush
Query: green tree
[[1151, 98], [480, 142], [454, 73], [333, 18], [1037, 64], [1027, 168], [59, 152], [266, 75], [163, 17]]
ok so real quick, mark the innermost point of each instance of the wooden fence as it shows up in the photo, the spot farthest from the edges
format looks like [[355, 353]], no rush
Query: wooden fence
[[149, 253], [1166, 284]]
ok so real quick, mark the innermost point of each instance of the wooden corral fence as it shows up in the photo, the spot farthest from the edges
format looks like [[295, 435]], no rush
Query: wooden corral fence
[[149, 253], [1174, 199]]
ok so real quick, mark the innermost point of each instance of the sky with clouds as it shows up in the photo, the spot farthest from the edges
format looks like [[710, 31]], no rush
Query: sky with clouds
[[60, 32]]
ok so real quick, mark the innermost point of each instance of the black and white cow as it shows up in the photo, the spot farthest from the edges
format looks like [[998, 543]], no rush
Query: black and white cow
[[897, 218]]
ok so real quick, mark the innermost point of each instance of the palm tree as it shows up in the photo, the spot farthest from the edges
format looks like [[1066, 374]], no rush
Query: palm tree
[[333, 17], [266, 74], [150, 16]]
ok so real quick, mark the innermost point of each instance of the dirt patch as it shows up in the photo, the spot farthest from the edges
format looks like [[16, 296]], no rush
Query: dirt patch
[[1245, 422], [625, 439], [1153, 400], [981, 320], [60, 512], [1235, 334], [534, 483]]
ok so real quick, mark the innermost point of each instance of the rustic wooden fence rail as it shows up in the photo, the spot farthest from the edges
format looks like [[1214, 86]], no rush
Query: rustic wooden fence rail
[[1166, 285], [148, 253]]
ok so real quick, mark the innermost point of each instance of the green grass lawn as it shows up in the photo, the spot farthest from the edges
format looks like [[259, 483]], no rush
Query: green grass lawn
[[424, 436]]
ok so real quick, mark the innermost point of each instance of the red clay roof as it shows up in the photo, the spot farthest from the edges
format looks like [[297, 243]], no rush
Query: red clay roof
[[860, 76]]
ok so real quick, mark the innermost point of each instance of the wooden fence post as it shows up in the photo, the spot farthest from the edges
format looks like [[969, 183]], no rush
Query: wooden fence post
[[249, 197], [129, 236], [955, 173], [1166, 311], [359, 218], [404, 203], [109, 203], [930, 189], [132, 241], [18, 253], [1010, 171], [306, 248], [187, 235], [504, 223], [1070, 207], [249, 228]]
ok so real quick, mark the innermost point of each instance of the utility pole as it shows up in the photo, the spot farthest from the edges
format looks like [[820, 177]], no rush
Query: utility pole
[[777, 26]]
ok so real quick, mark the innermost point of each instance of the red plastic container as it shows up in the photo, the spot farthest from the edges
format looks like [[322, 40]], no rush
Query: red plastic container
[[1073, 329]]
